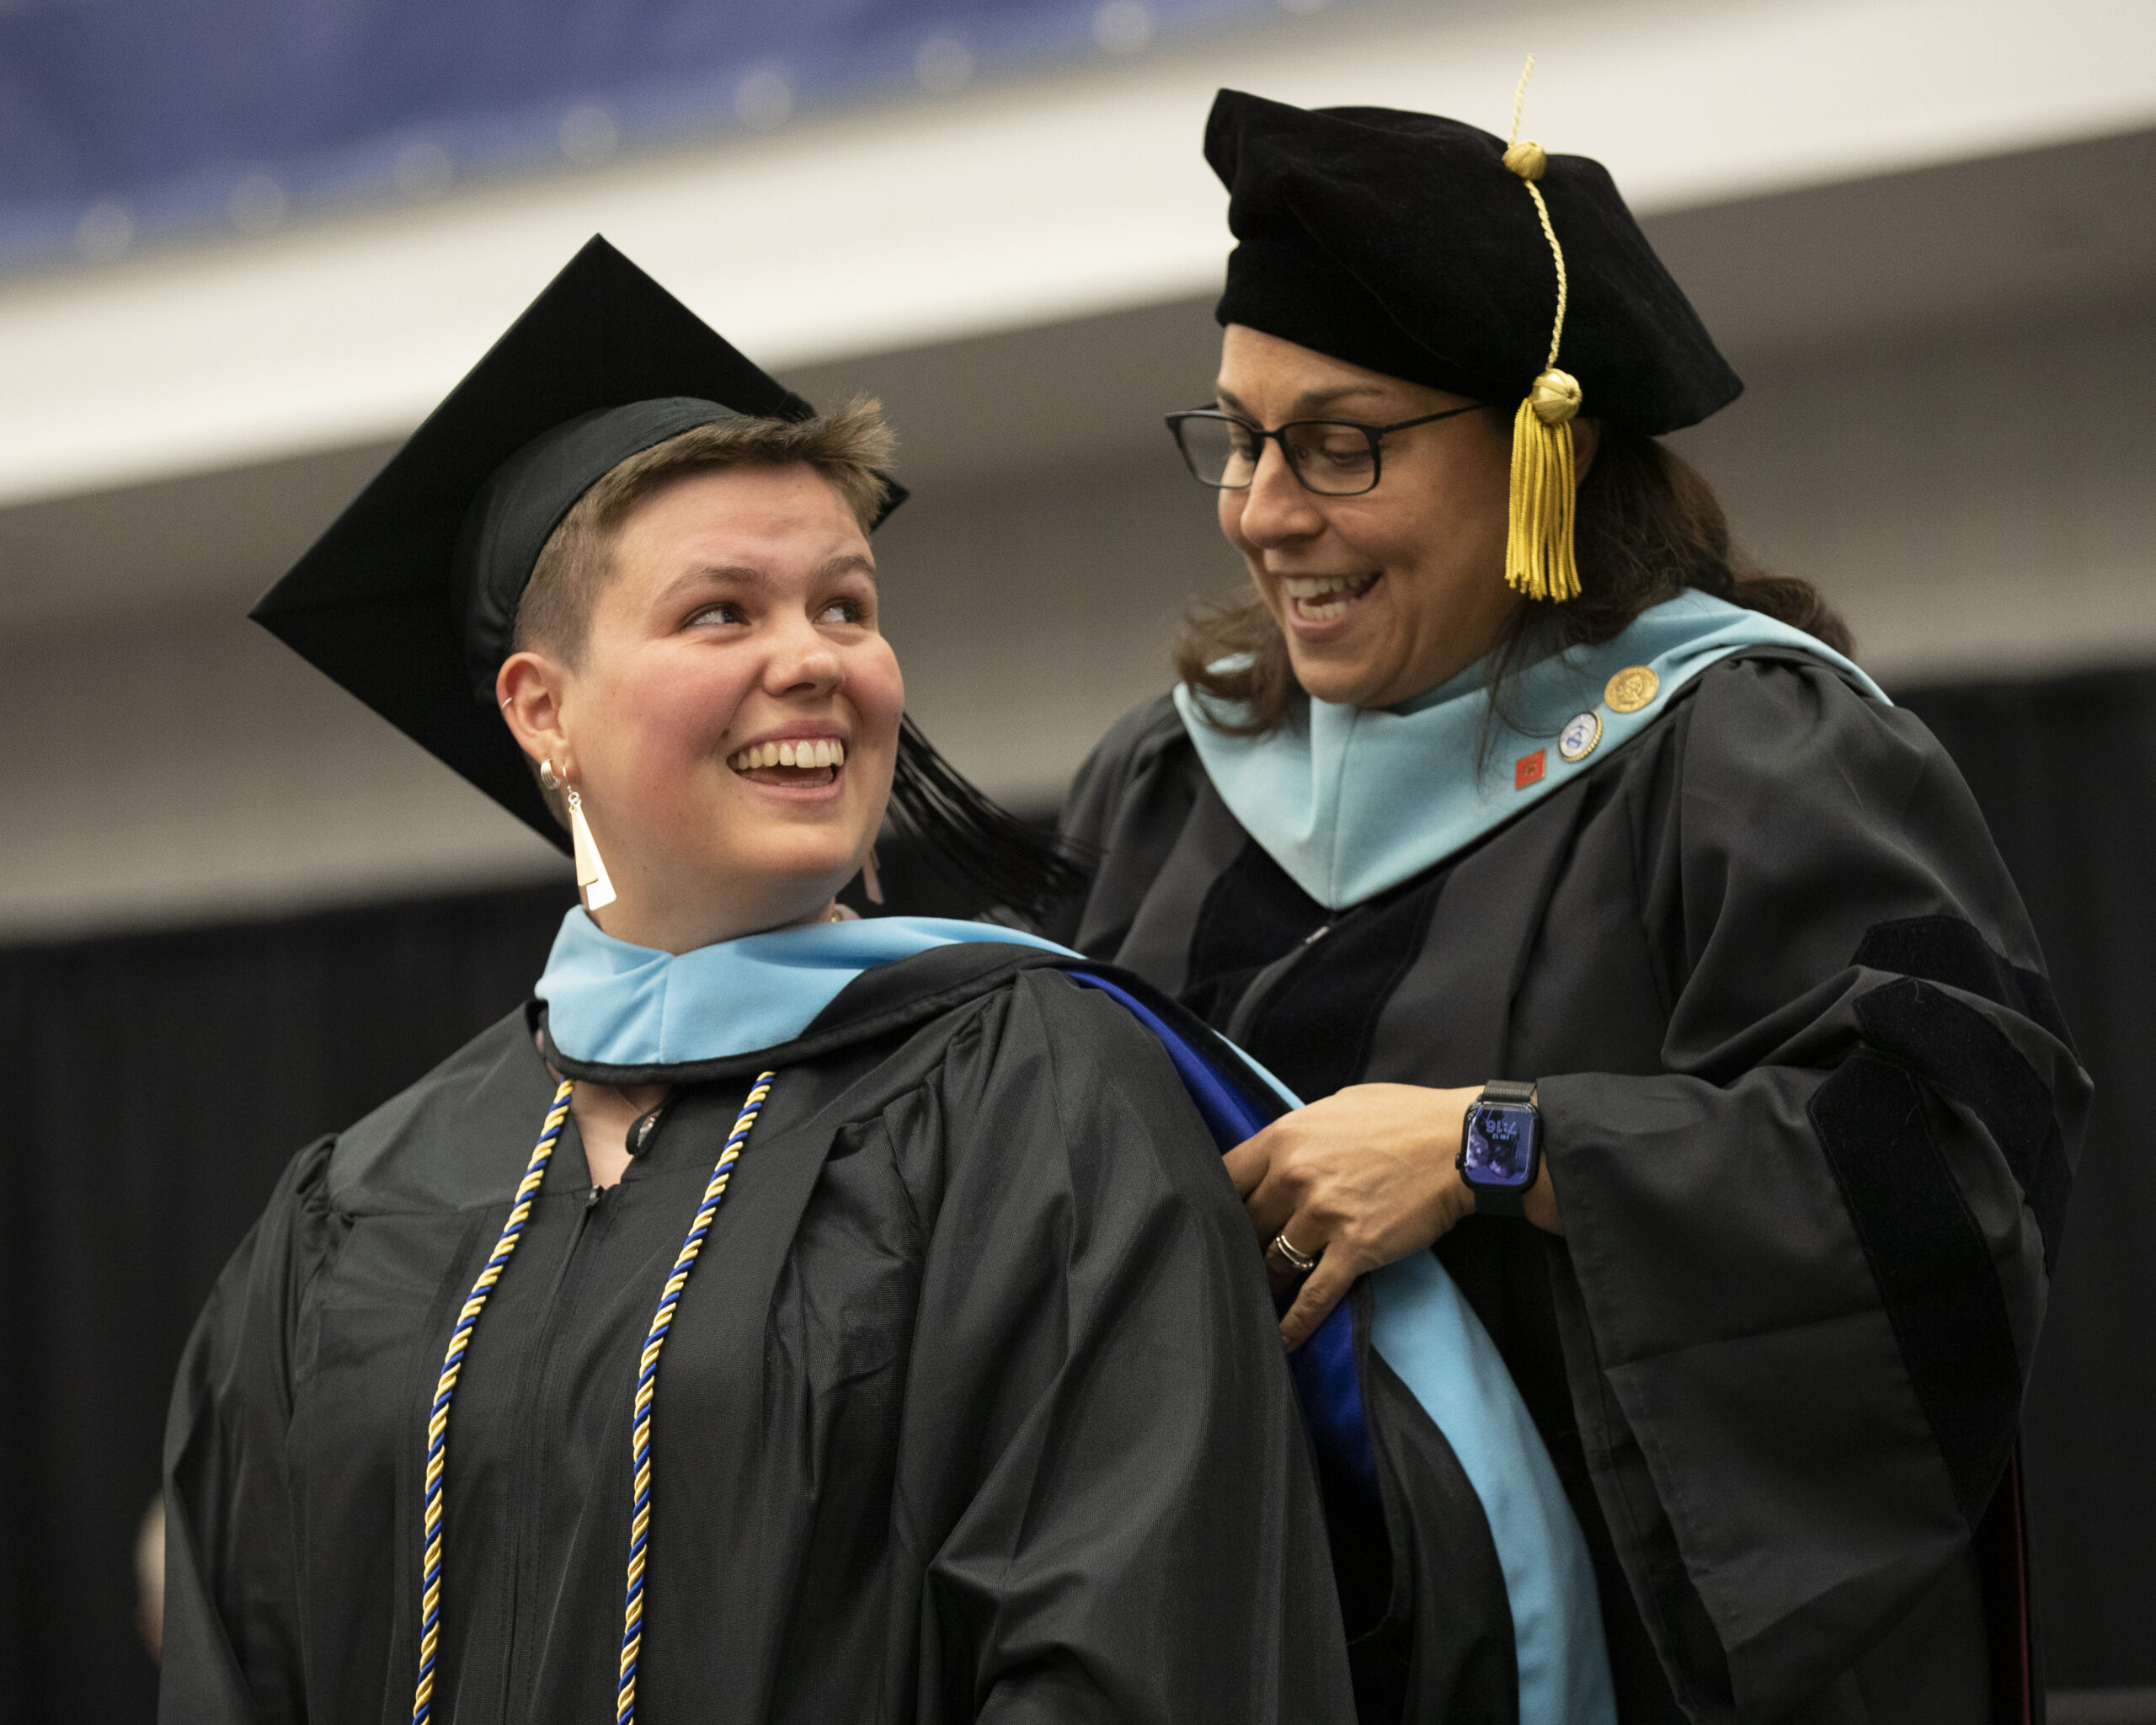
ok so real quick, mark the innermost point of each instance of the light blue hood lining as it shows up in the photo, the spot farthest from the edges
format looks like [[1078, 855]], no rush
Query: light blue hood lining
[[1423, 1326], [611, 1004], [1352, 802]]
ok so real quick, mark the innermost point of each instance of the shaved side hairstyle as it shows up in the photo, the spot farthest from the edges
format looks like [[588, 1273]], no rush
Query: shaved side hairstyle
[[850, 448]]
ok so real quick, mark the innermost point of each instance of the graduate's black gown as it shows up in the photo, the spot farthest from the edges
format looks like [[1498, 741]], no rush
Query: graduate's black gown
[[973, 1409], [1810, 1112]]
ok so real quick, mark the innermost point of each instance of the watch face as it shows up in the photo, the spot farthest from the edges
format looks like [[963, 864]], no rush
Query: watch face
[[1500, 1146]]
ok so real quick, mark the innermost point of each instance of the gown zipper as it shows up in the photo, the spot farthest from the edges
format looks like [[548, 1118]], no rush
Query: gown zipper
[[524, 1410], [1239, 1021], [1276, 974]]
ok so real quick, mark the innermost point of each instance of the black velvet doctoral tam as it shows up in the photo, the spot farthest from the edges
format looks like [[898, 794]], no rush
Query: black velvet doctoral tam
[[1401, 242]]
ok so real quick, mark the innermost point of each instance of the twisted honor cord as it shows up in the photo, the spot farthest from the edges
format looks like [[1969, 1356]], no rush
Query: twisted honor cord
[[446, 1388], [662, 1321], [647, 1389]]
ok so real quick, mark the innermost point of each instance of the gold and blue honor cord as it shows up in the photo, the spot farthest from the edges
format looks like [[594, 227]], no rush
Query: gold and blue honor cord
[[625, 1704], [662, 1321], [460, 1338]]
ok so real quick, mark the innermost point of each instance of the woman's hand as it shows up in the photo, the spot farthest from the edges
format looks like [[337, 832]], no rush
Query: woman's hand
[[1361, 1178]]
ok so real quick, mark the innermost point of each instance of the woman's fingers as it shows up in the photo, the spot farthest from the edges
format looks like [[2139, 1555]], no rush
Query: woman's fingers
[[1248, 1161], [1271, 1176], [1277, 1199], [1322, 1290], [1355, 1180]]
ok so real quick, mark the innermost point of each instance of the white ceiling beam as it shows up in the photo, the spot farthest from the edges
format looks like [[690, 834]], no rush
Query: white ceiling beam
[[1013, 205]]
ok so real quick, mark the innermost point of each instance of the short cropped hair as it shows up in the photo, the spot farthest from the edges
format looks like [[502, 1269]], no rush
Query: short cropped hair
[[850, 448]]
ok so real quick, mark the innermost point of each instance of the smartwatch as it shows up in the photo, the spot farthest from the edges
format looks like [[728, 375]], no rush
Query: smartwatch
[[1501, 1147]]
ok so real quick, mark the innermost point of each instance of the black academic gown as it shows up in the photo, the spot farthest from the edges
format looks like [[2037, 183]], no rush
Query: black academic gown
[[1811, 1111], [975, 1408]]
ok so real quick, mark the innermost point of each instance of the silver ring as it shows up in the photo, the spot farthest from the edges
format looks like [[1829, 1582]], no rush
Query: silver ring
[[1301, 1263]]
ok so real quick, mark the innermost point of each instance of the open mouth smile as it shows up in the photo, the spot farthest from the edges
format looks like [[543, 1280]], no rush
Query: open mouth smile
[[794, 761], [1323, 599]]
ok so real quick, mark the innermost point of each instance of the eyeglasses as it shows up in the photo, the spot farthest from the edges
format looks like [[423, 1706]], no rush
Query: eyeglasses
[[1332, 457]]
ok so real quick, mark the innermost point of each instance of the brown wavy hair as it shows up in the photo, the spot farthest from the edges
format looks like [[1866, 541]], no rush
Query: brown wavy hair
[[1649, 527]]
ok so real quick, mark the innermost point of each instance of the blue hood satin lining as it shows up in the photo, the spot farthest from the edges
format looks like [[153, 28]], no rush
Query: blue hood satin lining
[[1352, 802], [1429, 1335], [611, 1004]]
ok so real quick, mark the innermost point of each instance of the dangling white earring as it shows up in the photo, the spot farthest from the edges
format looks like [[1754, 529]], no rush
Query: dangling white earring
[[592, 883], [872, 883], [590, 872]]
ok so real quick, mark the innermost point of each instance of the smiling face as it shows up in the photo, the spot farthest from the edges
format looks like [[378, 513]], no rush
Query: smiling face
[[731, 720], [1382, 596]]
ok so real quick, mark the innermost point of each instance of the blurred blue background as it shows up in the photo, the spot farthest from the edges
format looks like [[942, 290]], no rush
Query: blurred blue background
[[181, 118]]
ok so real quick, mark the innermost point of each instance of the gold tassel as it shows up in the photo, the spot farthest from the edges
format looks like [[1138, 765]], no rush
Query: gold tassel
[[1539, 557], [1538, 546]]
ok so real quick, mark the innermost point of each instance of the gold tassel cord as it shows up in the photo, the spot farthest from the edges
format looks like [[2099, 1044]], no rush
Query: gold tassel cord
[[1539, 557]]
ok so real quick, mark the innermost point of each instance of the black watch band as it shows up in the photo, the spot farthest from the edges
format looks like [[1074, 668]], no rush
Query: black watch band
[[1506, 1200]]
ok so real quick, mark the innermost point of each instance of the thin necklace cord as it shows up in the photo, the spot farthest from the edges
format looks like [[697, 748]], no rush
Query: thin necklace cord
[[647, 1389]]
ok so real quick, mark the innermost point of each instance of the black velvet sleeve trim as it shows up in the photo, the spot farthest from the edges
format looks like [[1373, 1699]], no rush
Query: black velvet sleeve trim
[[1933, 1273], [1946, 949], [1964, 1054]]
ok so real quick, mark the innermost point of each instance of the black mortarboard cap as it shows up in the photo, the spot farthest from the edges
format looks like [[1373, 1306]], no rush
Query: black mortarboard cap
[[1402, 242], [409, 600]]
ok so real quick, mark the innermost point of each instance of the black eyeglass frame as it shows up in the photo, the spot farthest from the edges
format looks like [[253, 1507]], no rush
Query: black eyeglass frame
[[1376, 434]]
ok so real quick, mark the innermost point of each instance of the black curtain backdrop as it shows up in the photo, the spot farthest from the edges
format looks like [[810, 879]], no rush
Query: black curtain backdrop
[[2065, 770], [152, 1087]]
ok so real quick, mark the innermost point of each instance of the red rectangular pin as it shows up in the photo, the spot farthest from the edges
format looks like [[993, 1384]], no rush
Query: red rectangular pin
[[1529, 768]]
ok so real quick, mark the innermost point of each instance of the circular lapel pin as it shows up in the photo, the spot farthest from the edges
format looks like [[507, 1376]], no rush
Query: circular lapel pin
[[1577, 741], [1632, 689]]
